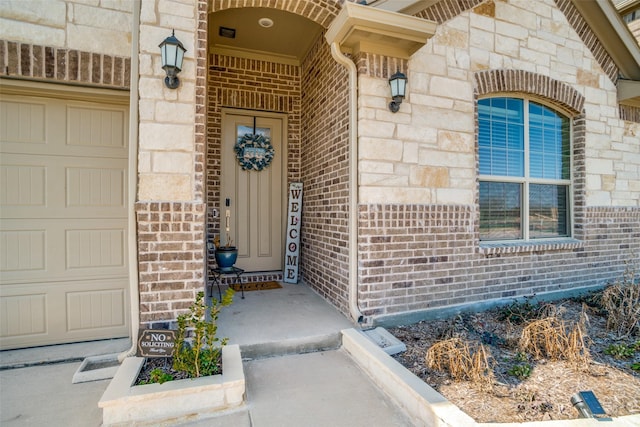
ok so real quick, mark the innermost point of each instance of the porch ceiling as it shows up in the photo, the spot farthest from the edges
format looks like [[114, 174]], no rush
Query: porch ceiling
[[287, 41]]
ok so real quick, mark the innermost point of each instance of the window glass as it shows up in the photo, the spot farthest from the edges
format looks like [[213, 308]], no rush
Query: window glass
[[547, 211], [500, 211], [518, 202], [501, 141]]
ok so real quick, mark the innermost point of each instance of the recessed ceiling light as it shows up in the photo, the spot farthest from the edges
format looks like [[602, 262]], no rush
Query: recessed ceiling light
[[265, 22]]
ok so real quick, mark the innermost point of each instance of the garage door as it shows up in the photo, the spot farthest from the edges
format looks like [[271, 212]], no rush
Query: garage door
[[63, 230]]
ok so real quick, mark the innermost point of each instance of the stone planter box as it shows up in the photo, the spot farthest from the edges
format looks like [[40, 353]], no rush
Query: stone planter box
[[190, 399]]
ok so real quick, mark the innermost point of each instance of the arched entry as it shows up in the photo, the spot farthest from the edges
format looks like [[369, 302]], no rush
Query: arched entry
[[290, 73]]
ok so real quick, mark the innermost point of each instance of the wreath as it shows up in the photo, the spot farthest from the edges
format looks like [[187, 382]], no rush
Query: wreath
[[254, 152]]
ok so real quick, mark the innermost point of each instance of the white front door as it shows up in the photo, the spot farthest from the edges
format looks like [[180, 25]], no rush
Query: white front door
[[254, 198]]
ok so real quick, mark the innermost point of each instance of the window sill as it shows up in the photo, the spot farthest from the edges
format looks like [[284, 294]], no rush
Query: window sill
[[495, 248]]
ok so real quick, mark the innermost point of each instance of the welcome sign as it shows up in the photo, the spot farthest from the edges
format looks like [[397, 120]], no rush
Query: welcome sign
[[294, 218]]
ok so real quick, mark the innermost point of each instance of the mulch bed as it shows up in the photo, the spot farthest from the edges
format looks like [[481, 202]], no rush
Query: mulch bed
[[546, 393]]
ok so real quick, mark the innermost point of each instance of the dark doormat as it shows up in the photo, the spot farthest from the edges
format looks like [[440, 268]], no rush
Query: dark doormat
[[255, 286]]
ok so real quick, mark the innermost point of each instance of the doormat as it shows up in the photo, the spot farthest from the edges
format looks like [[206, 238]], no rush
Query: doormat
[[255, 286]]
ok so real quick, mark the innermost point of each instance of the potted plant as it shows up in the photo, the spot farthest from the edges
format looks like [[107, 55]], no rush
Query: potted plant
[[226, 255]]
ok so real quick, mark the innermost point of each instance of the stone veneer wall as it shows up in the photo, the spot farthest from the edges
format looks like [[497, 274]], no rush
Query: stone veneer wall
[[325, 173], [170, 211], [419, 240]]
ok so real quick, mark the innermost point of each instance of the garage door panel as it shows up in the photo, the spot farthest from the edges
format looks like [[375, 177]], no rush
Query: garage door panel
[[62, 128], [22, 185], [22, 251], [91, 309], [95, 309], [56, 250], [69, 187], [64, 218], [23, 122], [23, 315], [95, 127]]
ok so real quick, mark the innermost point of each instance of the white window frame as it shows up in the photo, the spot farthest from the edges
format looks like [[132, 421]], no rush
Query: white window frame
[[527, 180]]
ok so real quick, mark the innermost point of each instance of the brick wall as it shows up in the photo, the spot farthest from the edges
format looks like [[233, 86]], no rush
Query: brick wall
[[61, 65], [171, 251], [325, 173], [254, 85], [415, 258]]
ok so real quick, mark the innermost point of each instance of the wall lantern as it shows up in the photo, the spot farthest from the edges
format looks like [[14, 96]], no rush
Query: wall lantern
[[172, 56], [398, 84]]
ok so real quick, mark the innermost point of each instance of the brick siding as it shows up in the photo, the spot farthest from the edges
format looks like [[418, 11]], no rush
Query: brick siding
[[53, 64], [171, 252], [415, 257], [325, 173], [254, 85]]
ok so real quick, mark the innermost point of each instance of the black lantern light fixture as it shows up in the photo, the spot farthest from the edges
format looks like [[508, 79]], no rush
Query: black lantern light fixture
[[398, 84], [172, 56]]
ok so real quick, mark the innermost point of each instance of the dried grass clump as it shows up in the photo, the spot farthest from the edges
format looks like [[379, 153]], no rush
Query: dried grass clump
[[548, 338], [621, 301], [457, 358]]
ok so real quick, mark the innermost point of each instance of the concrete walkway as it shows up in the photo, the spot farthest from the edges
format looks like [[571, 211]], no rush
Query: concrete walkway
[[296, 373]]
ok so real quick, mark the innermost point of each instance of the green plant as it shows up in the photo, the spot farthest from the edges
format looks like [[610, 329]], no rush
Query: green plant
[[520, 357], [521, 372], [635, 366], [620, 351], [199, 354], [159, 376]]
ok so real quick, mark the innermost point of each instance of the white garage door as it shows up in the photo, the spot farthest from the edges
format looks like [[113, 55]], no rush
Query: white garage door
[[63, 230]]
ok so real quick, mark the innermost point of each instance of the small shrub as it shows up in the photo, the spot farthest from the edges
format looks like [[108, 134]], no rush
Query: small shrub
[[635, 366], [199, 355], [159, 376], [518, 312], [522, 372], [548, 338], [620, 351], [456, 357], [621, 300]]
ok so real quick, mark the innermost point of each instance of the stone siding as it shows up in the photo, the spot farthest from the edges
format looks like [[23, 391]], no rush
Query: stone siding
[[419, 242], [170, 209], [100, 26]]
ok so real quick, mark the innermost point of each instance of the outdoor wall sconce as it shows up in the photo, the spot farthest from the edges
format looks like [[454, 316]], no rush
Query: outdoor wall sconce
[[398, 84], [172, 56]]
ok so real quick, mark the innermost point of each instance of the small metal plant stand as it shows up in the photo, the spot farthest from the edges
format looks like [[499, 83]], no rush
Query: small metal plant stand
[[216, 277]]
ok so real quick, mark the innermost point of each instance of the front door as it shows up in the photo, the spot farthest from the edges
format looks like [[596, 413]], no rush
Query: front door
[[253, 196]]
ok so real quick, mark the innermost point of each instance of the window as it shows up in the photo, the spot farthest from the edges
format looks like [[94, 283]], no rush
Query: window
[[525, 170]]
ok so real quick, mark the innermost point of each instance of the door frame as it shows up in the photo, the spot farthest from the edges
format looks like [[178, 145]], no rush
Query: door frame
[[283, 117]]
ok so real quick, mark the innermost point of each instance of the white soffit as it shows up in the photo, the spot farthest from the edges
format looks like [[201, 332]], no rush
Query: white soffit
[[360, 28]]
